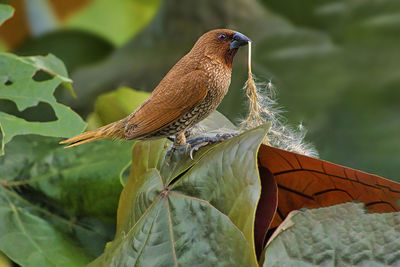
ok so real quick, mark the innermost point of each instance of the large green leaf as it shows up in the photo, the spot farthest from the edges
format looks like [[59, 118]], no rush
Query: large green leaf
[[17, 84], [6, 12], [341, 235], [28, 235], [83, 180], [80, 185], [180, 212]]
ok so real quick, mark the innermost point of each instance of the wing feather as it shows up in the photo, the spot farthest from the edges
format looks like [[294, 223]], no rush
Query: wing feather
[[169, 101]]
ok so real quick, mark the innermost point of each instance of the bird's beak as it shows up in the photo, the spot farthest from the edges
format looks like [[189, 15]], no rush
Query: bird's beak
[[238, 40]]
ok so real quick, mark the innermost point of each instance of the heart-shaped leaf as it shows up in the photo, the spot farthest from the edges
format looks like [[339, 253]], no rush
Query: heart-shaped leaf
[[183, 215]]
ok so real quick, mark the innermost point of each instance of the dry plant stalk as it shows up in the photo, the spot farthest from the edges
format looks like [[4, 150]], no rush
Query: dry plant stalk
[[254, 118], [263, 108]]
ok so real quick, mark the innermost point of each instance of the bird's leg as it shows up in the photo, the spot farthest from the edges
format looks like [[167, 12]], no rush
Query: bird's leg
[[187, 134], [179, 144], [180, 140], [200, 142]]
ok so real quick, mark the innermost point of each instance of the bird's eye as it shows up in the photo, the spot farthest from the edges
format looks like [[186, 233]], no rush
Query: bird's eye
[[222, 36]]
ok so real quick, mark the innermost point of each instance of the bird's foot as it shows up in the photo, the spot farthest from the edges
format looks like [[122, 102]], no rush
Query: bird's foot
[[173, 149], [200, 142], [195, 144]]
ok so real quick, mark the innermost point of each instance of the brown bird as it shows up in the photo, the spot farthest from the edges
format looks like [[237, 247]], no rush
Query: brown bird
[[190, 91]]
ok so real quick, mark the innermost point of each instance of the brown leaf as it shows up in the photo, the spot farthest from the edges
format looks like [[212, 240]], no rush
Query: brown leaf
[[266, 208], [309, 182]]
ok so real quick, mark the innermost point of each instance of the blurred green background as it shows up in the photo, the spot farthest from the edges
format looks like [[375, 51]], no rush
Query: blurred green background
[[335, 64]]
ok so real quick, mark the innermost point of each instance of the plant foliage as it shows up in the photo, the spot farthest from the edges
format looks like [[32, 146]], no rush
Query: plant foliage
[[80, 206], [341, 235], [18, 84], [185, 211]]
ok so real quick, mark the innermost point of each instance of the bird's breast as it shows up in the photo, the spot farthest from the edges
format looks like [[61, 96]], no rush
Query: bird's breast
[[219, 78]]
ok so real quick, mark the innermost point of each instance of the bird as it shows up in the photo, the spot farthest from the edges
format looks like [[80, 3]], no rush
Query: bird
[[188, 93]]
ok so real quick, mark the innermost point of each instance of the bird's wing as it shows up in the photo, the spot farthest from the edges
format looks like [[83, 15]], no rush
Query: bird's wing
[[168, 104]]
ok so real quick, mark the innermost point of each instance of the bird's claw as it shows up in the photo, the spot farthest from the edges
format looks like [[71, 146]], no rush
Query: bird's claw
[[195, 144], [197, 147], [174, 148], [200, 142]]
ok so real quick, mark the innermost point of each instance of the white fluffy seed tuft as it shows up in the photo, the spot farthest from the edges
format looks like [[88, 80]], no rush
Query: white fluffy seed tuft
[[264, 108]]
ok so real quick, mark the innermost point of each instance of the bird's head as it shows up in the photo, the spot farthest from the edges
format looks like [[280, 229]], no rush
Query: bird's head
[[221, 44]]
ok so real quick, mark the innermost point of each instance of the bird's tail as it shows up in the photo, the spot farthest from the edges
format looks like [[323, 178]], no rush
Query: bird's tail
[[112, 130]]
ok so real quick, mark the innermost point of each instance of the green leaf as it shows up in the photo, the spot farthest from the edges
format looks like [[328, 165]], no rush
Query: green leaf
[[17, 84], [117, 21], [6, 12], [180, 212], [82, 181], [81, 185], [29, 237], [341, 235]]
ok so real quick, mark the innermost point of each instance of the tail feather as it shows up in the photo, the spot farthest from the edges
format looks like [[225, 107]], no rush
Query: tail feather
[[112, 130]]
